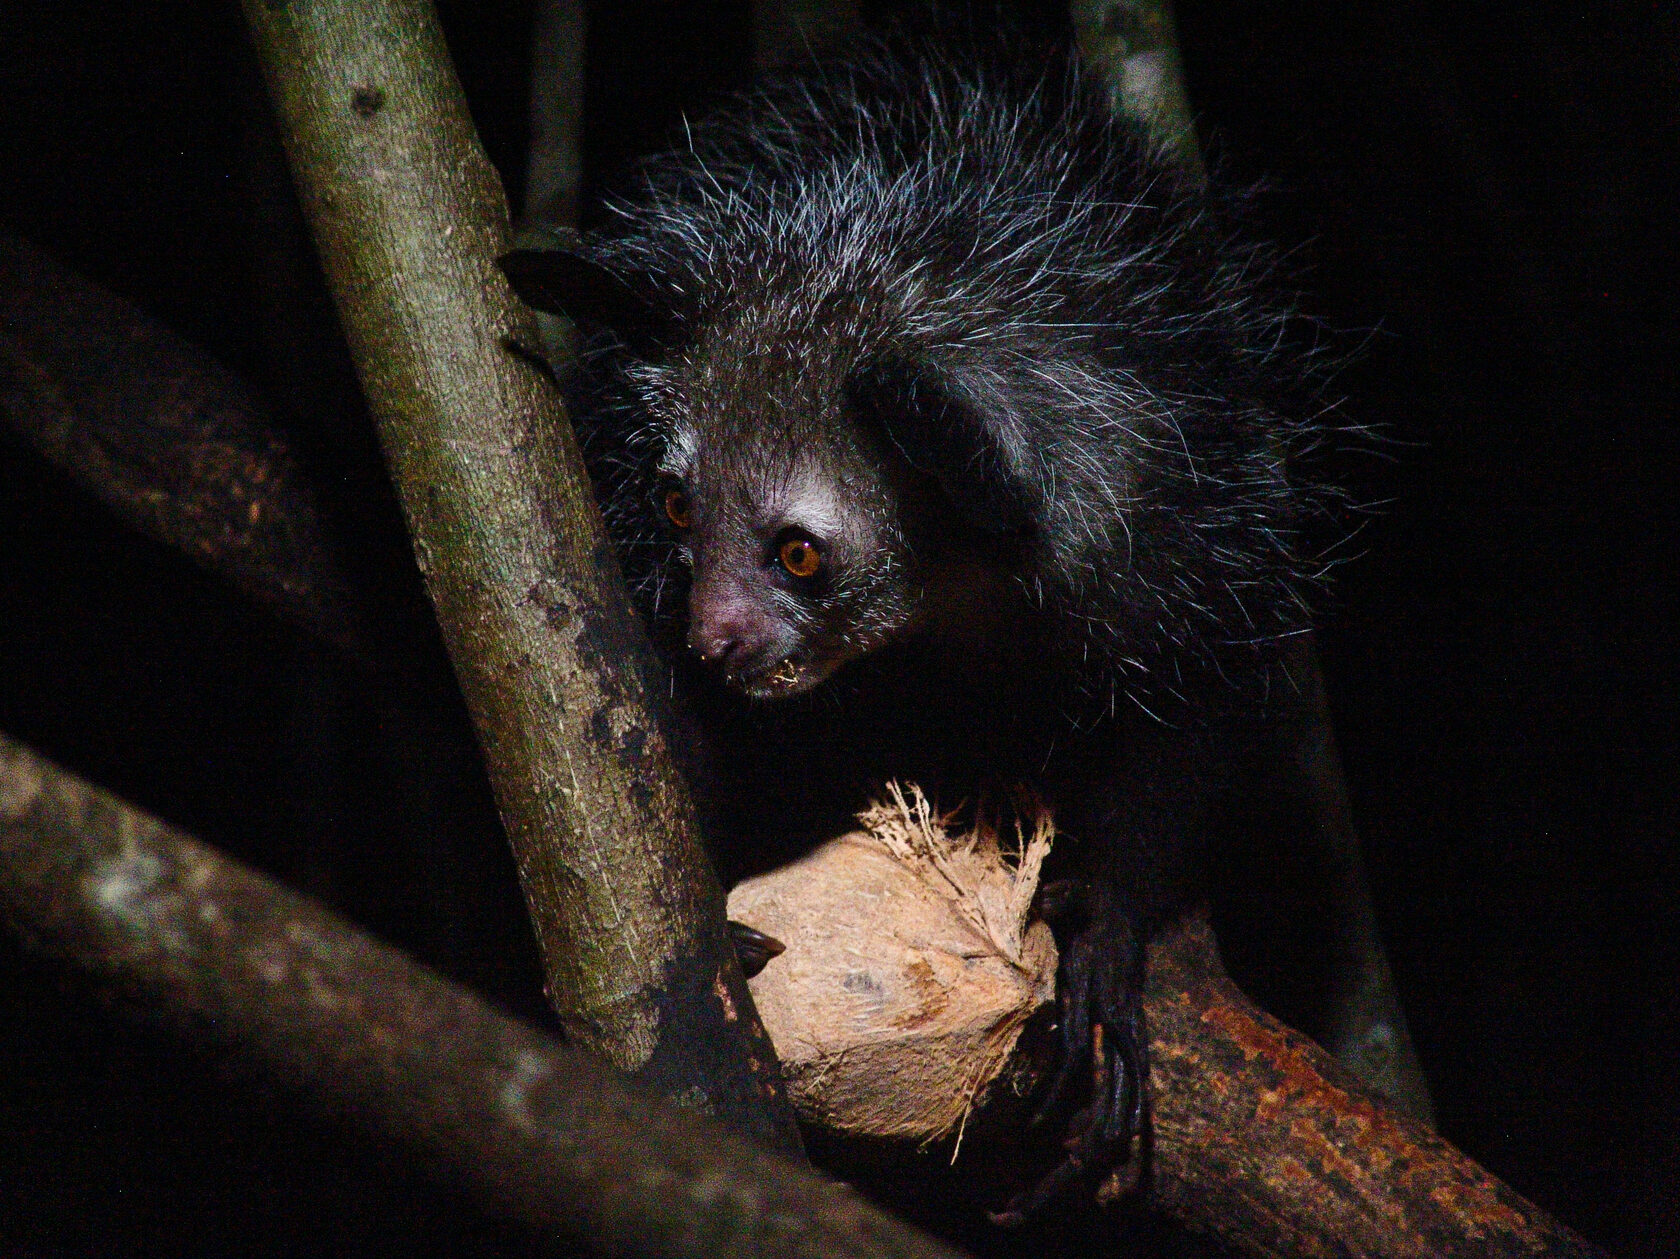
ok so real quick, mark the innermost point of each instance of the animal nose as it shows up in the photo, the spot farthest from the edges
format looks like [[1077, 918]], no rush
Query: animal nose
[[716, 645], [726, 630]]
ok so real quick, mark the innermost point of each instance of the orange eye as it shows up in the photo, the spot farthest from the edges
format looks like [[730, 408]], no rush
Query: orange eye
[[800, 558], [678, 509]]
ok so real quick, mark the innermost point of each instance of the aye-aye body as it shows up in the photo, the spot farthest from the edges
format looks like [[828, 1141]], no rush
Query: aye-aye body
[[941, 428]]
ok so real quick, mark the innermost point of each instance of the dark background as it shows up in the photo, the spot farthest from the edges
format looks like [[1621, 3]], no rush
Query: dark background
[[1488, 191]]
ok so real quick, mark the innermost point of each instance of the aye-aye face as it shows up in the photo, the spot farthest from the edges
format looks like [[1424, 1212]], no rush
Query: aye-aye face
[[783, 510]]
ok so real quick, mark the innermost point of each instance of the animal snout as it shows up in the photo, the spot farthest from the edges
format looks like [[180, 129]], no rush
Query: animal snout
[[730, 631]]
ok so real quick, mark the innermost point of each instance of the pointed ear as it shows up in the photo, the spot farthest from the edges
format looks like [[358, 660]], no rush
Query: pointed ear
[[566, 283], [938, 433]]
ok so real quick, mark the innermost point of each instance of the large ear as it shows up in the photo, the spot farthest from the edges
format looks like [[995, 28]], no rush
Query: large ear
[[566, 283], [939, 433]]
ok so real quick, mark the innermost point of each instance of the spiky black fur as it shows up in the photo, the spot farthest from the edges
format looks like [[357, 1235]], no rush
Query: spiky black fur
[[1007, 340], [996, 224]]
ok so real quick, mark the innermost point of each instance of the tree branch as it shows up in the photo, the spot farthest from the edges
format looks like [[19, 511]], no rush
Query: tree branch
[[409, 218], [554, 165], [1133, 45], [538, 1132], [172, 443], [1263, 1140]]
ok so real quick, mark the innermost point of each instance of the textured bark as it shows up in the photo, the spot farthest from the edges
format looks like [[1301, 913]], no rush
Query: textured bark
[[540, 1133], [172, 443], [409, 218], [1263, 1140]]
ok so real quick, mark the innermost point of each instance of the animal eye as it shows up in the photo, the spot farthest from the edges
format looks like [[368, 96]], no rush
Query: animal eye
[[800, 557], [678, 508]]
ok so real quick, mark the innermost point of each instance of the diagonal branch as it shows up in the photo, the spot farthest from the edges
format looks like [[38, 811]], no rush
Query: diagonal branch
[[173, 444], [1265, 1141], [538, 1132], [409, 218]]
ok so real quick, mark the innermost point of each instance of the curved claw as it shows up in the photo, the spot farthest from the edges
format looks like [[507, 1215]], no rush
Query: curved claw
[[1119, 1000], [1103, 1030], [1073, 999], [753, 948]]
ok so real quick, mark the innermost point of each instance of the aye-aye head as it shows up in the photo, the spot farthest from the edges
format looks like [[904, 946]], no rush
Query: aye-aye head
[[783, 508], [916, 343], [793, 484]]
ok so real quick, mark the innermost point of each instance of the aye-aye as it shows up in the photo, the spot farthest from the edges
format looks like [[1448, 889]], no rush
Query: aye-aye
[[946, 434]]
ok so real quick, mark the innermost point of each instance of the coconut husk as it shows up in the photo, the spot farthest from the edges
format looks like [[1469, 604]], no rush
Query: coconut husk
[[912, 964]]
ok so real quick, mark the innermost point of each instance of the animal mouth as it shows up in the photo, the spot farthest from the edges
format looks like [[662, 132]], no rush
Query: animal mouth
[[789, 676]]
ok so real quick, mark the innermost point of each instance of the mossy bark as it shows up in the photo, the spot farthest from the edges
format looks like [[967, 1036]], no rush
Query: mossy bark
[[409, 218]]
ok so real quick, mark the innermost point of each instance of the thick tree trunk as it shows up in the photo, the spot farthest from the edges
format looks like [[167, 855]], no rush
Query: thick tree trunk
[[409, 218]]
